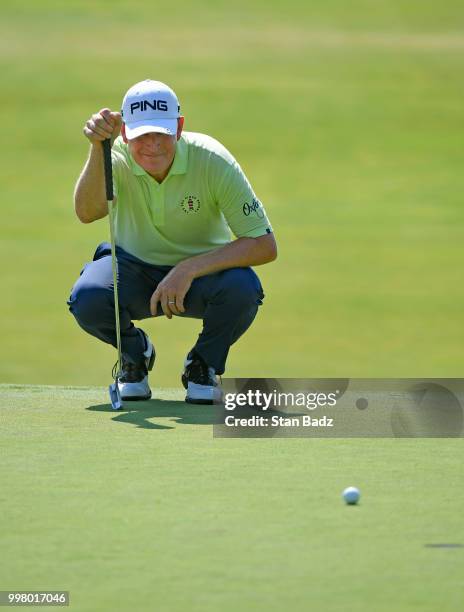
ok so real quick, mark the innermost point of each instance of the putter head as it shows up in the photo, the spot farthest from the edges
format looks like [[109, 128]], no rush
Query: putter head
[[115, 396]]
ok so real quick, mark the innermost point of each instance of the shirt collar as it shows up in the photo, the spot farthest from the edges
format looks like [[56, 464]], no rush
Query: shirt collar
[[179, 165]]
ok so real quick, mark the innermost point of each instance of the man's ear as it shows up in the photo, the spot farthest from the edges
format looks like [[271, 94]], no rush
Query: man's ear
[[180, 126], [123, 133]]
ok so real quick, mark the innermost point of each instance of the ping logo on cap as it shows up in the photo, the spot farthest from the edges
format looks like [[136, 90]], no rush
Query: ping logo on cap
[[142, 105], [150, 106]]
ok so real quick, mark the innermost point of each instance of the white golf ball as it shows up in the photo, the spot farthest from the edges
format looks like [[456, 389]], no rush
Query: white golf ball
[[351, 495]]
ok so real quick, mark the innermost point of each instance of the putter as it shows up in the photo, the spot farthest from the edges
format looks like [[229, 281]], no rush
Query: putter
[[115, 394]]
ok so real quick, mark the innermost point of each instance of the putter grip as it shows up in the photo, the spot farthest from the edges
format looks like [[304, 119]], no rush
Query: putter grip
[[108, 168]]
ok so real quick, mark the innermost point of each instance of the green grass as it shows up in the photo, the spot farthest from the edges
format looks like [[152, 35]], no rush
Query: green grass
[[345, 118], [145, 510]]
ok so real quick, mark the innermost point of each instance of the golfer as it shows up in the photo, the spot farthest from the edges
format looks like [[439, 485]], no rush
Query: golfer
[[178, 196]]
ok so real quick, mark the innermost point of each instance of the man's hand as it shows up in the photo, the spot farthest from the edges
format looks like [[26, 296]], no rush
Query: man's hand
[[171, 292], [102, 125]]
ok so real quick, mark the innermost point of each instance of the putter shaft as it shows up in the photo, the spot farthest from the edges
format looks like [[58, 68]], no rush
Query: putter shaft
[[115, 395], [114, 265]]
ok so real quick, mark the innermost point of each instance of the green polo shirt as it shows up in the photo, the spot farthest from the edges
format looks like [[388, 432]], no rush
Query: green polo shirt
[[204, 198]]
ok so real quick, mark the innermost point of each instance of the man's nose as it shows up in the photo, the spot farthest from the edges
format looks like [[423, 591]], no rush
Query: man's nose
[[152, 140]]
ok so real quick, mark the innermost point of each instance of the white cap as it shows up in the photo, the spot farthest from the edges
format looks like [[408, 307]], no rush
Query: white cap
[[150, 106]]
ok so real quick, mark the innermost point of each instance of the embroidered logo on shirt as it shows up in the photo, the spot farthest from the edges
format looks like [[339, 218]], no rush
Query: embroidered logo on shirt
[[190, 204], [254, 207]]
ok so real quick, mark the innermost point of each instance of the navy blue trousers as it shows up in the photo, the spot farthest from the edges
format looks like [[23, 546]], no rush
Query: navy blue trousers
[[227, 302]]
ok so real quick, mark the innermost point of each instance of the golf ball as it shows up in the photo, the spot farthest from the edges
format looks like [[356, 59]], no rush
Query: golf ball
[[351, 495]]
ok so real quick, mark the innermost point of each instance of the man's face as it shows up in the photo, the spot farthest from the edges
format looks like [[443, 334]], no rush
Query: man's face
[[154, 152]]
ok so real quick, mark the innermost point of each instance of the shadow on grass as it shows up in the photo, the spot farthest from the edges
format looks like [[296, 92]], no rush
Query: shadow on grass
[[139, 413]]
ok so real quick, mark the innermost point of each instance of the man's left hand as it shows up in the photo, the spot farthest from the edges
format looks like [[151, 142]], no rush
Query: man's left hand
[[171, 292]]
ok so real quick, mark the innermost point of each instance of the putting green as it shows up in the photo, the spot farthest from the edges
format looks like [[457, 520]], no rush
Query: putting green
[[145, 510], [345, 117]]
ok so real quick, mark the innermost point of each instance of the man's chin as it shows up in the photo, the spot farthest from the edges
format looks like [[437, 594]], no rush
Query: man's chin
[[153, 167]]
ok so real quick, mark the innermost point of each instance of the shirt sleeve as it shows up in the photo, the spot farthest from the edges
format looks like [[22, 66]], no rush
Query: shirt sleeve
[[237, 201]]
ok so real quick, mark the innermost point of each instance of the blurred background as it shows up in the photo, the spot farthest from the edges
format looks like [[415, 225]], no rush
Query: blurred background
[[347, 118]]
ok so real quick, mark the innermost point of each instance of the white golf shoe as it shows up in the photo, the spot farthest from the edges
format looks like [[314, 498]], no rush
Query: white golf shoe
[[133, 382], [200, 380]]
